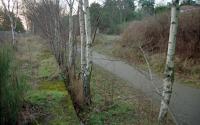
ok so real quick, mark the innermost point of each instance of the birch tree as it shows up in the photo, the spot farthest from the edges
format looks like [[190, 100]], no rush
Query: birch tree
[[88, 51], [33, 24], [10, 13], [169, 68], [83, 40], [71, 40]]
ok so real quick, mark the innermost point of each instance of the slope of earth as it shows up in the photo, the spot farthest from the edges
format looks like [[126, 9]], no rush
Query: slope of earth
[[46, 102]]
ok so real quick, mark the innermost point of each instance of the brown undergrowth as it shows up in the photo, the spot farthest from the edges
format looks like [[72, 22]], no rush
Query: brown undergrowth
[[152, 34]]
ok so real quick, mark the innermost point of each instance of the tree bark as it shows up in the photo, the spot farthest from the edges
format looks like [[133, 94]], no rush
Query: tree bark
[[169, 68], [71, 50], [88, 51], [12, 31], [83, 38]]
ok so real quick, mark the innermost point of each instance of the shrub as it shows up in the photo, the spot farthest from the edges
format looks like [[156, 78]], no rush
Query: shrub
[[152, 34], [12, 88]]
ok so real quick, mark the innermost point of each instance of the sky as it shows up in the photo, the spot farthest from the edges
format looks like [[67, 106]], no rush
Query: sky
[[156, 1]]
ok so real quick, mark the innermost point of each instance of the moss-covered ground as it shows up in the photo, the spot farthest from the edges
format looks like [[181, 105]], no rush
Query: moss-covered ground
[[47, 102]]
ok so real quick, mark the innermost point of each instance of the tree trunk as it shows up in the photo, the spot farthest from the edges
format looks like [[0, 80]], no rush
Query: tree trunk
[[83, 49], [169, 68], [12, 31], [88, 51], [83, 38], [71, 48]]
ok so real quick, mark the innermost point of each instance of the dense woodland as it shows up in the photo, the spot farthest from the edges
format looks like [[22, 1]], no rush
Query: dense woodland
[[116, 62]]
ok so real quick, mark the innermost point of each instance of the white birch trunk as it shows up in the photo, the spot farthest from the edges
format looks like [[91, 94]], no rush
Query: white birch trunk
[[83, 37], [71, 48], [12, 31], [88, 50], [83, 49], [169, 69]]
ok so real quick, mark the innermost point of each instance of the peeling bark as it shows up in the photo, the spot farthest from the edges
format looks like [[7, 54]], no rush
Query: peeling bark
[[169, 68], [88, 51]]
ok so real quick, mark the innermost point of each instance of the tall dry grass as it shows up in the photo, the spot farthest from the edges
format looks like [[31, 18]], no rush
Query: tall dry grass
[[12, 88]]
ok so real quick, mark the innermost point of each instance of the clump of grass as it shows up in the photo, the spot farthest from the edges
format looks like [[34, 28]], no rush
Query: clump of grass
[[12, 88]]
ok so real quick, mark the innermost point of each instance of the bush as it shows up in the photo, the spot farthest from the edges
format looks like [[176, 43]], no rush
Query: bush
[[12, 88], [152, 34]]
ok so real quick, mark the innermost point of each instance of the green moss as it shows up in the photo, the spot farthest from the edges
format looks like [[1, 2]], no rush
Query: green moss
[[52, 85], [53, 100]]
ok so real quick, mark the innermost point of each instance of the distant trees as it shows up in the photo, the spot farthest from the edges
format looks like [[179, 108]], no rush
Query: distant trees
[[5, 23], [11, 12], [188, 2], [112, 13], [147, 6], [95, 13]]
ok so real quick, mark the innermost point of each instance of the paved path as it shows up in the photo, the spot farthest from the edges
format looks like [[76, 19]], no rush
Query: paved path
[[185, 103]]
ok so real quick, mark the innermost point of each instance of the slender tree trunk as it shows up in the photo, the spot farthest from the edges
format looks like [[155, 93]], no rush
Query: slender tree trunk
[[83, 37], [56, 40], [88, 51], [71, 48], [33, 28], [12, 31], [169, 68], [83, 47]]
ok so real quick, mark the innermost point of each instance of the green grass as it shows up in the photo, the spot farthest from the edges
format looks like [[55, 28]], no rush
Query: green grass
[[47, 67], [115, 102], [54, 102], [48, 101]]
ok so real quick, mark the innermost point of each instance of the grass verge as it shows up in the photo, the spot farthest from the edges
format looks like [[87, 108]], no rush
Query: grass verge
[[47, 101], [115, 102]]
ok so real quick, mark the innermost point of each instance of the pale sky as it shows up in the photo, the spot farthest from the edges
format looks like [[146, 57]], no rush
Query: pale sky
[[156, 1]]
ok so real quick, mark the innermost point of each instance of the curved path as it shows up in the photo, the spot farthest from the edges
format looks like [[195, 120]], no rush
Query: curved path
[[185, 103]]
